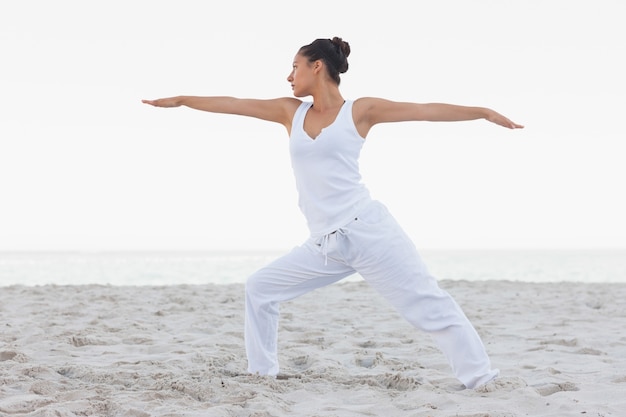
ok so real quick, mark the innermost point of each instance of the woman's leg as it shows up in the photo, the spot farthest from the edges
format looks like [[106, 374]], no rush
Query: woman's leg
[[388, 260], [303, 269]]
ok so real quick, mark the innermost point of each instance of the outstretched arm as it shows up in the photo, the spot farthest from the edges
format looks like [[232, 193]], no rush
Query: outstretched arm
[[279, 110], [440, 112], [375, 110]]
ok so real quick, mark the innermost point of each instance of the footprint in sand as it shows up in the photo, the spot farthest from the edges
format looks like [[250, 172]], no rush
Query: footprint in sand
[[10, 355], [301, 362], [22, 404], [502, 384], [7, 355], [366, 360], [590, 351], [398, 382], [553, 388]]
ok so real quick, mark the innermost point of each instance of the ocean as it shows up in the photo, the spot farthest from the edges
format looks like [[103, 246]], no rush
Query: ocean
[[193, 268]]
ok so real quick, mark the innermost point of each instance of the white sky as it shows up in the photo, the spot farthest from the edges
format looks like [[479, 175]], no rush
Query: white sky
[[85, 166]]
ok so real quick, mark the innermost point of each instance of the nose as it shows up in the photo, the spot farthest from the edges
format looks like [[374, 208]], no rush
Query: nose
[[290, 77]]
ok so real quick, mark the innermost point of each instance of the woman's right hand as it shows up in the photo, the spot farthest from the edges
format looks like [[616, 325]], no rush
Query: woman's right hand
[[164, 102]]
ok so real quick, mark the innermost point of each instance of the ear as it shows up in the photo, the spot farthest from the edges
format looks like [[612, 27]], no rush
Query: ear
[[317, 66]]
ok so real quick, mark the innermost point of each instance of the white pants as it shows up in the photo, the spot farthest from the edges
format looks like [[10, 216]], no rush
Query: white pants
[[375, 246]]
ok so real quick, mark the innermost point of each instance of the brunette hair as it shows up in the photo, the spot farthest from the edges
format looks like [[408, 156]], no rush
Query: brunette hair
[[334, 52]]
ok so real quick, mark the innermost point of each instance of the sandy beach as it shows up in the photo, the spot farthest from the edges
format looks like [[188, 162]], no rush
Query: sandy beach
[[139, 351]]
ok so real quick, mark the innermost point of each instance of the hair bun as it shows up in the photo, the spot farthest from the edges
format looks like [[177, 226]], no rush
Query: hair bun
[[334, 52], [343, 45]]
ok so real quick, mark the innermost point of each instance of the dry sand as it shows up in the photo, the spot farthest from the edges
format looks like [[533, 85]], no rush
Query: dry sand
[[178, 351]]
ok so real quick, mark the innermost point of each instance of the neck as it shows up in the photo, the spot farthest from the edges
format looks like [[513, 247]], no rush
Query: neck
[[328, 99]]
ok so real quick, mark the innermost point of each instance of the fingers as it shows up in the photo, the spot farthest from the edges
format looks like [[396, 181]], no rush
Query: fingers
[[505, 122], [163, 102], [512, 125], [155, 103]]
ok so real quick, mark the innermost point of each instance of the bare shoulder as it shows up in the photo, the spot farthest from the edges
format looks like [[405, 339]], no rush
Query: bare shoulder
[[369, 107], [369, 111], [290, 106], [365, 103], [280, 110], [290, 103], [364, 113]]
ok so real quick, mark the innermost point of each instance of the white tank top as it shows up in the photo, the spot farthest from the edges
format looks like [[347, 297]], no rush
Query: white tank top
[[326, 168]]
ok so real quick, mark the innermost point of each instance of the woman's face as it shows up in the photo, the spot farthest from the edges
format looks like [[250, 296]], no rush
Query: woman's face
[[301, 76]]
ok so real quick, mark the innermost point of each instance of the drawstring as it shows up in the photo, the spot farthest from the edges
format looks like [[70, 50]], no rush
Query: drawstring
[[325, 247], [326, 239]]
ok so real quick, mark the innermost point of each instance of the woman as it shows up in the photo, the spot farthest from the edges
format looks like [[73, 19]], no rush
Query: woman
[[349, 232]]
